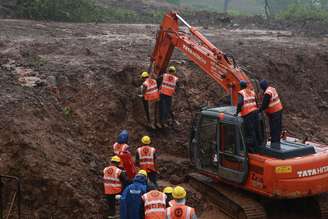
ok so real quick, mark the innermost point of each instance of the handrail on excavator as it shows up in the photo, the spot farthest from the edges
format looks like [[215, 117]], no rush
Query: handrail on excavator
[[17, 194]]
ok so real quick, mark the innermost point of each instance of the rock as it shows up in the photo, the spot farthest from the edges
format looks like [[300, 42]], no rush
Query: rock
[[175, 180]]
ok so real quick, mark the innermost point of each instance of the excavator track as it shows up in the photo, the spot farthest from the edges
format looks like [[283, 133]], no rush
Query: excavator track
[[322, 204], [231, 201]]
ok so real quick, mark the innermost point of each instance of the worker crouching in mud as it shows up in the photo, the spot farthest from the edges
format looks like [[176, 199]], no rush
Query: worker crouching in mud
[[131, 205], [150, 95], [115, 180]]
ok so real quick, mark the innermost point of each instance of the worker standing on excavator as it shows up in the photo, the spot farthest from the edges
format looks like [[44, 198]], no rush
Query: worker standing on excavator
[[180, 210], [272, 105], [121, 144], [168, 83], [146, 159], [154, 204], [115, 180], [247, 107], [150, 94]]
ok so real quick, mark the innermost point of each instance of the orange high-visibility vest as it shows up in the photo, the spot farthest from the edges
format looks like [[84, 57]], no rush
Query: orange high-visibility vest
[[147, 158], [249, 101], [151, 92], [180, 211], [112, 183], [168, 84], [172, 202], [118, 148], [275, 103], [155, 205]]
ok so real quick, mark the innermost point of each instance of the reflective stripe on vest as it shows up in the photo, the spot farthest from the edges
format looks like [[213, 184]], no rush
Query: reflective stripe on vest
[[151, 92], [275, 103], [118, 148], [112, 183], [168, 85], [146, 158], [180, 212], [249, 101], [155, 204]]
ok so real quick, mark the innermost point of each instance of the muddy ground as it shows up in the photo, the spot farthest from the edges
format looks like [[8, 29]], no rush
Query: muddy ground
[[57, 135]]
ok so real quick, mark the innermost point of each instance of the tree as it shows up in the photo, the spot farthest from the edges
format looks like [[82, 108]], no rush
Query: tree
[[226, 4]]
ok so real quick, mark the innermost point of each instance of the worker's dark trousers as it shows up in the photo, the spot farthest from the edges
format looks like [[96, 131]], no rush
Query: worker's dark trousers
[[252, 129], [153, 178], [111, 202], [165, 104], [275, 121]]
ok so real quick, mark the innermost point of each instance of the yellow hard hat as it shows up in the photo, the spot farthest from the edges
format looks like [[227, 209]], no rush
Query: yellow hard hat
[[168, 190], [142, 172], [144, 74], [172, 69], [146, 139], [116, 159], [179, 192]]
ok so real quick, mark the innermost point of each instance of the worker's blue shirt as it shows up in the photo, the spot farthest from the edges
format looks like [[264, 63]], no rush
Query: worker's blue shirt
[[131, 206]]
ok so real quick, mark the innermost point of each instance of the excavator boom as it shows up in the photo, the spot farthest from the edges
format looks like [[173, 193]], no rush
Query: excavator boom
[[216, 64]]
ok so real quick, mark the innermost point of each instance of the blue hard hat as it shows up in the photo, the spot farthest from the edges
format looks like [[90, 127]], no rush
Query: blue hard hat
[[264, 84], [243, 84], [123, 137]]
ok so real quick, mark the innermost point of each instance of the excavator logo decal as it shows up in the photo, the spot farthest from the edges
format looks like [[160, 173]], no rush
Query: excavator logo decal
[[312, 172], [191, 52]]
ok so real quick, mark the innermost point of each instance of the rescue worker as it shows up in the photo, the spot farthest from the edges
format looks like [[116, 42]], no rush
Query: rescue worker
[[146, 159], [168, 83], [154, 204], [150, 94], [131, 205], [180, 210], [121, 144], [247, 107], [272, 105], [169, 198], [115, 180]]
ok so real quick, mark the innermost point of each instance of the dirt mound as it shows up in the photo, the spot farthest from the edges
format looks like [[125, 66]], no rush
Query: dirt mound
[[57, 135]]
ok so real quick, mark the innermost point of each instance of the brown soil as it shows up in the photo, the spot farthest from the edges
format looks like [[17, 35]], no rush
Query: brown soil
[[57, 134]]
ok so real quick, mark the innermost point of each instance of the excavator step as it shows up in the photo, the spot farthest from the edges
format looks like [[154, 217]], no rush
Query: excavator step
[[235, 203]]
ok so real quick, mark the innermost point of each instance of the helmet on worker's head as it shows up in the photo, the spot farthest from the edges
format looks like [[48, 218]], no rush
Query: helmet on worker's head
[[123, 137], [243, 84], [142, 172], [168, 190], [146, 139], [264, 84], [144, 74], [179, 193], [172, 69], [116, 159]]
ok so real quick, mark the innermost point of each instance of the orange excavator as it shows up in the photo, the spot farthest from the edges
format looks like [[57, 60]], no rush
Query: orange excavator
[[226, 171]]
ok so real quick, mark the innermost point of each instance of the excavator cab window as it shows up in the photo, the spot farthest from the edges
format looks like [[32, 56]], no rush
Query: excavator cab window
[[208, 153]]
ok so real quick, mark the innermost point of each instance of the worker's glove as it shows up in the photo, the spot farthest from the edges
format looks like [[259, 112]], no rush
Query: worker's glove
[[140, 95], [117, 197]]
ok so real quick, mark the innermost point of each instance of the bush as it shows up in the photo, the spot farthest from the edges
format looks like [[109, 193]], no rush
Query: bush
[[299, 12], [58, 10]]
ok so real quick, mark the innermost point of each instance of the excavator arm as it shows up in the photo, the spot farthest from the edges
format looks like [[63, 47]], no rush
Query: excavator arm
[[219, 66]]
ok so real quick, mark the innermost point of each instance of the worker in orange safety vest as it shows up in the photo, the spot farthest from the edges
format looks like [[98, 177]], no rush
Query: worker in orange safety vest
[[168, 83], [146, 159], [154, 204], [115, 180], [150, 95], [180, 210], [248, 110], [121, 144], [272, 105]]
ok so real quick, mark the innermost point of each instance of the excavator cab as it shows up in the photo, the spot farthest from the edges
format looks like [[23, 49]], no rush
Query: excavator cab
[[218, 145]]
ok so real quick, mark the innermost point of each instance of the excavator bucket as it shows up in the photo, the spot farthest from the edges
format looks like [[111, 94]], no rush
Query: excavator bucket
[[128, 164]]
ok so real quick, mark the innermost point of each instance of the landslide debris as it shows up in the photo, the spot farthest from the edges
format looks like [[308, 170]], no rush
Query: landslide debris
[[57, 135]]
